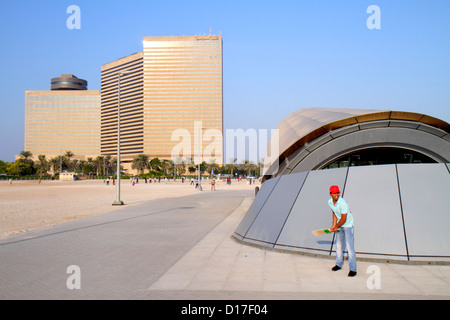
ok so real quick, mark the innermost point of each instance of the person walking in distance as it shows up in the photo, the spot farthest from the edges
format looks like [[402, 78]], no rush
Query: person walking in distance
[[344, 228]]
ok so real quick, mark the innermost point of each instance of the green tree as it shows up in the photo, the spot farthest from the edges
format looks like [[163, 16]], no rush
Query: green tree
[[212, 165], [25, 157], [231, 165], [80, 165], [18, 169], [140, 163], [69, 154], [87, 169], [43, 165], [155, 164], [167, 166], [111, 164], [54, 164], [75, 165], [67, 163], [89, 166], [203, 167], [180, 166], [98, 163], [2, 166]]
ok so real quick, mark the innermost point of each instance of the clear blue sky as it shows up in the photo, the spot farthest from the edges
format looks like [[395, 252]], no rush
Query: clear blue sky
[[279, 56]]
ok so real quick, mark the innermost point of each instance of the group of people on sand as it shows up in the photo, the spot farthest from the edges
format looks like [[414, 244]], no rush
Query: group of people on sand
[[135, 180]]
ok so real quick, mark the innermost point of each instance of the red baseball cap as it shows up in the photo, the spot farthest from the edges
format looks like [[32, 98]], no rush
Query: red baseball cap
[[334, 189]]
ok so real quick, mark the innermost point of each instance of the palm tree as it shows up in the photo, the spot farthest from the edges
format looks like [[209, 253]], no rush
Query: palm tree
[[113, 165], [231, 165], [43, 165], [74, 165], [89, 162], [89, 166], [98, 162], [179, 166], [80, 165], [109, 164], [155, 164], [25, 154], [248, 166], [140, 163], [212, 165], [182, 166], [24, 158], [166, 165], [54, 164], [203, 167], [69, 154], [244, 166]]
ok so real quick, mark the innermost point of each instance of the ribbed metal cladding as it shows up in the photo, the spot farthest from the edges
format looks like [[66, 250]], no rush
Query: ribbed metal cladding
[[57, 121], [314, 137], [131, 107], [182, 85], [176, 83], [400, 212]]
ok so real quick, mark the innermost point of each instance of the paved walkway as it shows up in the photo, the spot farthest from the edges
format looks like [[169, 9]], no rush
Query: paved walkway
[[182, 249]]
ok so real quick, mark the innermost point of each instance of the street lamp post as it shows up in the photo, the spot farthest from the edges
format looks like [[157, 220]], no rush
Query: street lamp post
[[118, 202]]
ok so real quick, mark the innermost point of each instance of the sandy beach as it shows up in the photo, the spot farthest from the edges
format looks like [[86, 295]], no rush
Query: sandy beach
[[27, 205]]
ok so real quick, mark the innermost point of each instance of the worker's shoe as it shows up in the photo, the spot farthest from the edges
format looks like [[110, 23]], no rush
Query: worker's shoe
[[336, 268]]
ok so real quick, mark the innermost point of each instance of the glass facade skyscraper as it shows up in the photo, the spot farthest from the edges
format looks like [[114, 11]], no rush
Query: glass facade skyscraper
[[175, 84], [131, 107], [182, 84], [62, 120]]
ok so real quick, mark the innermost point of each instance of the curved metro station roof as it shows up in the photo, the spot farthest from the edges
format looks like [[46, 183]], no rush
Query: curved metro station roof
[[310, 138], [400, 208]]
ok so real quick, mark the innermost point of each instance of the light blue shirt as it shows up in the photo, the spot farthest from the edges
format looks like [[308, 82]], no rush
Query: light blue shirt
[[341, 207]]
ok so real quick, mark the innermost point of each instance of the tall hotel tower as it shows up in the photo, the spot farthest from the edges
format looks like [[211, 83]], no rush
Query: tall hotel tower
[[65, 118], [175, 86], [131, 107]]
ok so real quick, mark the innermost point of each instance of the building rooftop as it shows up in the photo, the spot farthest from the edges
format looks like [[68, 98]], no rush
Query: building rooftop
[[68, 82]]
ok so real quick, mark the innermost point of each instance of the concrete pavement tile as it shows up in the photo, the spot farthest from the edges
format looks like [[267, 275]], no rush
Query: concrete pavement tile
[[270, 285], [124, 255]]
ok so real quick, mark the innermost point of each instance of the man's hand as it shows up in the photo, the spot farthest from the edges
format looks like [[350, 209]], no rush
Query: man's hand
[[335, 226]]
